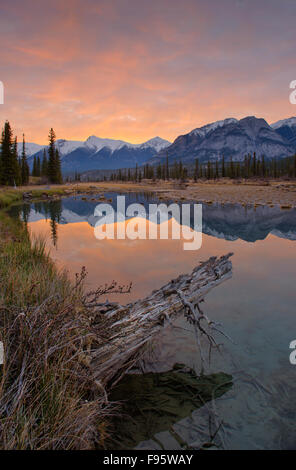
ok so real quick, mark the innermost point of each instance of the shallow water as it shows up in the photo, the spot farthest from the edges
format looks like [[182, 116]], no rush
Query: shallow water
[[256, 307]]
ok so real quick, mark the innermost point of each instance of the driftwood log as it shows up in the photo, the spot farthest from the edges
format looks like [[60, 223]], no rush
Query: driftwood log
[[131, 327]]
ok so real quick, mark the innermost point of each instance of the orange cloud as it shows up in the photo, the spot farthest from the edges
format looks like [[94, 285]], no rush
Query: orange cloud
[[87, 67]]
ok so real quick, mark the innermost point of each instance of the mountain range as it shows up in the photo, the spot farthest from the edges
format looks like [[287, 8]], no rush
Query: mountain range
[[234, 138], [230, 137], [98, 153]]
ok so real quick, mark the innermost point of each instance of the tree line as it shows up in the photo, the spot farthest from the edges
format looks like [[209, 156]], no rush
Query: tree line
[[161, 171], [14, 168], [251, 167], [50, 166]]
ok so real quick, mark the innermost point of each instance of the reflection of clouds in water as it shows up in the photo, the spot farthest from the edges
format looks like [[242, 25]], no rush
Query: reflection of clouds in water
[[256, 308], [137, 228]]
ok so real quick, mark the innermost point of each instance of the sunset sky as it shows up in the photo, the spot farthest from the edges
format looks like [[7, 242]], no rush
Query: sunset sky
[[134, 69]]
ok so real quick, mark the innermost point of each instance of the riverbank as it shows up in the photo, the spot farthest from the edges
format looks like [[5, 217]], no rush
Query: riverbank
[[61, 352], [251, 192], [48, 396], [282, 193]]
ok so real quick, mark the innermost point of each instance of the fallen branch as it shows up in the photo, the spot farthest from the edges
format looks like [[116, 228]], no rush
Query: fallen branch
[[132, 326]]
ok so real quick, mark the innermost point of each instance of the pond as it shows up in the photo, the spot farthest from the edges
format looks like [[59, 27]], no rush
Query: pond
[[256, 308]]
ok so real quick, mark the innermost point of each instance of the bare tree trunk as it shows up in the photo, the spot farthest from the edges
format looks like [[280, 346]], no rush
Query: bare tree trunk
[[132, 326]]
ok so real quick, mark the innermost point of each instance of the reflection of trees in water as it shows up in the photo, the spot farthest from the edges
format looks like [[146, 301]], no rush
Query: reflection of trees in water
[[54, 232], [51, 210], [25, 213], [42, 208], [17, 211], [22, 212], [55, 213]]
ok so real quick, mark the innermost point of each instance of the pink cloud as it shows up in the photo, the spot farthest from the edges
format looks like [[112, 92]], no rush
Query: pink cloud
[[80, 68]]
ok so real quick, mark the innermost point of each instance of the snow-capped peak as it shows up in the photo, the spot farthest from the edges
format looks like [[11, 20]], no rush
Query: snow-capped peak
[[204, 130], [97, 143], [290, 122], [67, 146], [31, 148], [157, 143]]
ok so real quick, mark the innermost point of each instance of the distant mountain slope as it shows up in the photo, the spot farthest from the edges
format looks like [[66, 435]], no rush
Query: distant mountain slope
[[286, 128], [98, 153], [31, 148], [231, 138], [83, 159]]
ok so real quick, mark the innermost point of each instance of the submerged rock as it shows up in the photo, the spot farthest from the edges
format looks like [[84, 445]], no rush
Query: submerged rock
[[156, 401]]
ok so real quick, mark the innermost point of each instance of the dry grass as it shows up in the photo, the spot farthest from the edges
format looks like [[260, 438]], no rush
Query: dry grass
[[48, 398], [8, 197]]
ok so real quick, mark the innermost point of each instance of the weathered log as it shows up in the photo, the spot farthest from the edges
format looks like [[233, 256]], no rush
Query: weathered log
[[132, 326]]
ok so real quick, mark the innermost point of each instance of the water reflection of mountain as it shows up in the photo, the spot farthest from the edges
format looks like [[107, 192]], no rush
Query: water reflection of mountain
[[230, 222], [247, 223]]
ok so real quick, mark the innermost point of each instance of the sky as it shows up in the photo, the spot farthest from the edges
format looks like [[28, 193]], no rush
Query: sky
[[133, 69]]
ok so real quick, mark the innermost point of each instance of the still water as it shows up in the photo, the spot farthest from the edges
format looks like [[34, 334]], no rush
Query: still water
[[256, 308]]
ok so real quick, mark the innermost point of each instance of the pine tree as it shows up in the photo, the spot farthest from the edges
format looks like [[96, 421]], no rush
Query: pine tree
[[152, 173], [263, 166], [15, 164], [258, 167], [231, 168], [254, 165], [167, 175], [51, 157], [38, 166], [6, 149], [158, 172], [44, 165], [10, 173], [58, 171], [209, 170], [216, 170], [54, 162], [180, 170], [24, 165], [223, 167], [33, 167], [196, 170], [275, 169]]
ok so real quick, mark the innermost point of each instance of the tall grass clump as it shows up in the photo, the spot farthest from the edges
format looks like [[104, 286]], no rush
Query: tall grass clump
[[8, 197], [48, 397]]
